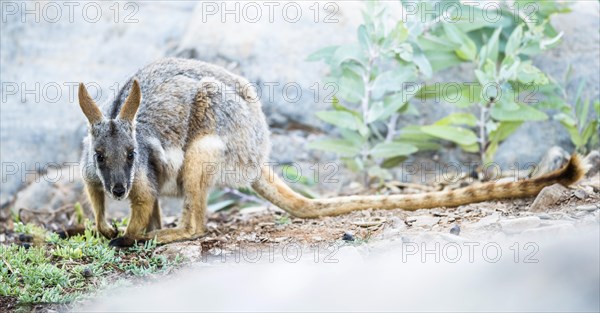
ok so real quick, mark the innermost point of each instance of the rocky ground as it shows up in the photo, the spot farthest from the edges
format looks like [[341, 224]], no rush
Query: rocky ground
[[556, 211]]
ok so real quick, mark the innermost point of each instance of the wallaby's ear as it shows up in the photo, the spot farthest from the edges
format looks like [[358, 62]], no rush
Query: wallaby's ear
[[132, 103], [88, 106]]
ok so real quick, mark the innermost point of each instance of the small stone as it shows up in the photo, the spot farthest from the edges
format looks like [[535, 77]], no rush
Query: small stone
[[184, 249], [518, 225], [580, 194], [486, 221], [593, 160], [25, 238], [554, 159], [455, 230], [544, 216], [26, 245], [548, 197], [588, 208], [348, 236], [425, 221], [87, 272]]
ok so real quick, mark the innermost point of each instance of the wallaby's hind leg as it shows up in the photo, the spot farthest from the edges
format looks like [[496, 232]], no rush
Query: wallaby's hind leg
[[198, 170]]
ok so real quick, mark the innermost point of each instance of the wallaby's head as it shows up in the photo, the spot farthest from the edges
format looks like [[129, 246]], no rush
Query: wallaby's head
[[113, 144]]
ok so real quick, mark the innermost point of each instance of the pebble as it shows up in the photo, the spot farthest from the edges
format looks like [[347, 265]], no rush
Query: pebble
[[593, 160], [580, 194], [455, 230], [548, 197], [486, 221], [87, 272], [25, 238], [589, 208], [544, 216], [425, 221], [348, 236], [185, 249], [518, 225]]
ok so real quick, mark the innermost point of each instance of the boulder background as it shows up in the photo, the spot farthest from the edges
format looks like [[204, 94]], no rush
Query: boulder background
[[61, 53]]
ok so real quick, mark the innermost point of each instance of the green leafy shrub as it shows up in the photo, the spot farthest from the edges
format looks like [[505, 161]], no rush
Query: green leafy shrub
[[573, 112], [378, 76], [371, 76]]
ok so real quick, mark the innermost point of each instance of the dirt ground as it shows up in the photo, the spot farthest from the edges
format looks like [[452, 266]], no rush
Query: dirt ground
[[260, 227]]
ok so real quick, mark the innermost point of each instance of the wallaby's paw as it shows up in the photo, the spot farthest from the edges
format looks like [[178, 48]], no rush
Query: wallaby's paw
[[108, 231], [122, 242]]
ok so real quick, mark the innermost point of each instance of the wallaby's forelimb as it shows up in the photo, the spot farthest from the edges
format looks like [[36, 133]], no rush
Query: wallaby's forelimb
[[96, 197], [275, 190]]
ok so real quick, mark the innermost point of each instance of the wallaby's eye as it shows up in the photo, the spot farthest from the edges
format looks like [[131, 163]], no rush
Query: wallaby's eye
[[130, 155], [99, 157]]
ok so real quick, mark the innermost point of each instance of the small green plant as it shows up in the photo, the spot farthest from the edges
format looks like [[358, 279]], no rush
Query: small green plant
[[64, 270], [379, 75], [373, 77], [582, 124], [506, 78]]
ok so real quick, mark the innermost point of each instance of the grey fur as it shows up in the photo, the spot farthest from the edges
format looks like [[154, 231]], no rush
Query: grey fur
[[169, 87]]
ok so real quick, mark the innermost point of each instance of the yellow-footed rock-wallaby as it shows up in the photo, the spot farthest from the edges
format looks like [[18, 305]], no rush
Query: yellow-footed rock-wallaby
[[176, 123]]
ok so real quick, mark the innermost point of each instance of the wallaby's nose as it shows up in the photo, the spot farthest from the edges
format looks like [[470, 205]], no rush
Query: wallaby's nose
[[118, 190]]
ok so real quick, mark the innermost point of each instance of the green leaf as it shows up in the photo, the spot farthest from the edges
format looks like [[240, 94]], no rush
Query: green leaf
[[440, 59], [459, 135], [391, 81], [376, 171], [324, 54], [503, 130], [399, 33], [467, 50], [340, 146], [565, 119], [472, 148], [508, 68], [393, 162], [529, 74], [340, 107], [352, 136], [423, 63], [340, 119], [490, 50], [514, 41], [589, 131], [523, 113], [381, 110], [467, 119], [363, 37], [355, 164], [405, 52], [348, 53], [350, 86], [428, 42], [392, 149]]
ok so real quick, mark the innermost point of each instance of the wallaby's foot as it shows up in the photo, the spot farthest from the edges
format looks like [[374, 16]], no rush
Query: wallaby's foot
[[107, 231], [123, 242]]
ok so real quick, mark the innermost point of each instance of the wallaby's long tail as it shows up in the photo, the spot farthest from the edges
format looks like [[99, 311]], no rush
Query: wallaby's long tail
[[279, 193]]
